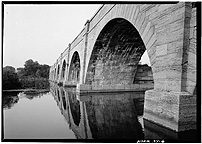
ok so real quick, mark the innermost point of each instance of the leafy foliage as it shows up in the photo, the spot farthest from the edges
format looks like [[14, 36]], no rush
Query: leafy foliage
[[30, 68], [9, 68], [43, 71], [31, 82], [33, 75], [34, 69], [10, 78]]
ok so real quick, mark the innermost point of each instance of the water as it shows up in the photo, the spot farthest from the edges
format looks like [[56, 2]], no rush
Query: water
[[65, 114], [35, 117]]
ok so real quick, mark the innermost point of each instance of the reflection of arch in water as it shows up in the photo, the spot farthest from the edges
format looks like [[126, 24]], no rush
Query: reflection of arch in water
[[64, 99], [81, 130], [58, 94], [55, 93], [98, 115], [113, 117], [75, 108]]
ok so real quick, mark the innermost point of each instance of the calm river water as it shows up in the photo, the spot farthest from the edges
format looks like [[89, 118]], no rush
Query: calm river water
[[62, 113]]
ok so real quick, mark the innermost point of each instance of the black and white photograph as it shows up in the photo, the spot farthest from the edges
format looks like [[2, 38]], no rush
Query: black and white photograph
[[85, 71]]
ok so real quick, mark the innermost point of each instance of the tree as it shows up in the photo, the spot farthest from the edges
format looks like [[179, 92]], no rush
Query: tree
[[30, 68], [9, 68], [20, 72], [38, 73], [33, 69], [32, 75], [44, 71], [10, 78]]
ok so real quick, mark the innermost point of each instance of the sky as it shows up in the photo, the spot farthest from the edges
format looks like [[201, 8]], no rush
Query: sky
[[42, 32]]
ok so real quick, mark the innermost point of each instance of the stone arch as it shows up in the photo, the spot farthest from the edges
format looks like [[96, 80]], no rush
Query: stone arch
[[55, 73], [50, 74], [58, 71], [74, 69], [63, 69], [115, 55]]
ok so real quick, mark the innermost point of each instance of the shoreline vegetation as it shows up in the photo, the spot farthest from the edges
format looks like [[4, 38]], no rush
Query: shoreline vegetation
[[33, 78]]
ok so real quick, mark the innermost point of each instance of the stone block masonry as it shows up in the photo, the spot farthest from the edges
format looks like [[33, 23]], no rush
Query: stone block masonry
[[110, 47], [174, 110]]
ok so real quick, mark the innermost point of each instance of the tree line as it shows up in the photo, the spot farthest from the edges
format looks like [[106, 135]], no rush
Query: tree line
[[33, 75]]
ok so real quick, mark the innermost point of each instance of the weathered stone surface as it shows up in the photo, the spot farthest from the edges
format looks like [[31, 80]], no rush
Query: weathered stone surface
[[170, 109], [146, 29], [144, 24], [82, 87], [113, 41], [161, 50], [173, 84], [149, 34]]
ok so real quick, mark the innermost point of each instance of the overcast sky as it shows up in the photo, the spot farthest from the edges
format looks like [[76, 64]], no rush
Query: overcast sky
[[41, 32]]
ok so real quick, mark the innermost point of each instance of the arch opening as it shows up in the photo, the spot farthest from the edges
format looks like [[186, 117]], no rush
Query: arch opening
[[54, 73], [63, 69], [58, 71], [116, 54], [74, 70]]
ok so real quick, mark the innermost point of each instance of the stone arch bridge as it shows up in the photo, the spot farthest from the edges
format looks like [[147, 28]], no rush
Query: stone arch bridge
[[105, 56]]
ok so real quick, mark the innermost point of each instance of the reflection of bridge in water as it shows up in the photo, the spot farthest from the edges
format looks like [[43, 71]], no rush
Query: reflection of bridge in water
[[73, 110], [101, 116], [108, 115]]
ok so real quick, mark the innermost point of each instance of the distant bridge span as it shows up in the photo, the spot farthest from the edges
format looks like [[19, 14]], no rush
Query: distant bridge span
[[105, 56]]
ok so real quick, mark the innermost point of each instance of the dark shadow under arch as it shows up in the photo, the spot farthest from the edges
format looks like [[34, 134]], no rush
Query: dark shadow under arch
[[63, 69], [58, 71], [55, 73], [116, 54], [74, 70]]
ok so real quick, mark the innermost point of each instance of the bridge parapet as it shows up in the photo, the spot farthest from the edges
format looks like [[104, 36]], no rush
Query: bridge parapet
[[78, 39], [65, 53], [103, 10]]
